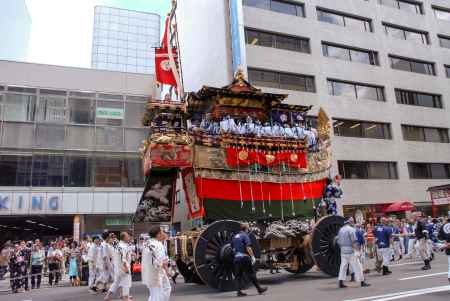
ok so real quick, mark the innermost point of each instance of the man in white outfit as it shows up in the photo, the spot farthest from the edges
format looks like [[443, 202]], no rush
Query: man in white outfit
[[347, 242], [122, 268], [155, 266], [92, 256]]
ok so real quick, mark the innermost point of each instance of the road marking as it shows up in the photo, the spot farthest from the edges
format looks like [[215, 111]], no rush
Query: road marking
[[405, 263], [423, 276], [417, 293], [398, 295]]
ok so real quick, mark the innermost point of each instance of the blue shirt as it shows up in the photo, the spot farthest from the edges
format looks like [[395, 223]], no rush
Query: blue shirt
[[383, 236], [240, 243], [432, 230], [360, 237], [396, 230]]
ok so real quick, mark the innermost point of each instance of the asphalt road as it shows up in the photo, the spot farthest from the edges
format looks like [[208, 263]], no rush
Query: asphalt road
[[407, 282]]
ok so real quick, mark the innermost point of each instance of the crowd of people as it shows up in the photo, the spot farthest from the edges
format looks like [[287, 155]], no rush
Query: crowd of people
[[104, 263], [377, 244]]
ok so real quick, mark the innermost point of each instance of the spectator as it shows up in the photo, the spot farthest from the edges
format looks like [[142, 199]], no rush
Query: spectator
[[54, 257], [74, 264], [37, 263]]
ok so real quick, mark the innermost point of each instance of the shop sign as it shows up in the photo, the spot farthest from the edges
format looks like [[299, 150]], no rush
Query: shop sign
[[37, 203], [440, 197], [120, 221], [109, 113]]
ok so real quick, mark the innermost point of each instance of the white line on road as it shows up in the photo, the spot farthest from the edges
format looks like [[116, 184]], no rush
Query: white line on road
[[423, 276], [398, 295], [406, 263]]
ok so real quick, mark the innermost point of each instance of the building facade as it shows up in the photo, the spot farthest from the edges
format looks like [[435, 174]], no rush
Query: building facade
[[379, 68], [69, 147], [124, 40], [15, 26]]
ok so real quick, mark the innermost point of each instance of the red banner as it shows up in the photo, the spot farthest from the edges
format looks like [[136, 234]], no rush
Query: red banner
[[169, 155], [164, 73], [233, 190], [240, 156], [194, 204]]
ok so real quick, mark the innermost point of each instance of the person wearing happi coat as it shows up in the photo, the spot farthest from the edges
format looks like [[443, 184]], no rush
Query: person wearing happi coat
[[122, 268], [444, 235], [155, 263]]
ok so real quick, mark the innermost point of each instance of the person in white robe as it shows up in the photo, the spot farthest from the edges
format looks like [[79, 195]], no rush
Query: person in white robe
[[288, 132], [93, 256], [299, 131], [266, 130], [155, 273], [122, 268]]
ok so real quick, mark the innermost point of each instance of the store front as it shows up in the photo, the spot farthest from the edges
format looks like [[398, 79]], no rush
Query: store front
[[440, 200]]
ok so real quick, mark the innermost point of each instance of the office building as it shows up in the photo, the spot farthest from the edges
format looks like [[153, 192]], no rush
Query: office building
[[380, 69], [69, 148], [15, 27], [124, 40]]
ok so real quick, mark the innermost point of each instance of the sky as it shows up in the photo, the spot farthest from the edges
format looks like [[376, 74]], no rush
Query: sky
[[61, 30]]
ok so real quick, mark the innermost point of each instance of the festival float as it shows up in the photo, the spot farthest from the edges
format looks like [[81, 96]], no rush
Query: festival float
[[241, 155]]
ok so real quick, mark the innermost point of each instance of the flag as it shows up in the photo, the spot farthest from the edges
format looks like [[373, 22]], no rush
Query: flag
[[164, 73]]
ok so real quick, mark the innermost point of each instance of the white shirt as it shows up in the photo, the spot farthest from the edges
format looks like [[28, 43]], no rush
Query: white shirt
[[153, 258], [121, 257]]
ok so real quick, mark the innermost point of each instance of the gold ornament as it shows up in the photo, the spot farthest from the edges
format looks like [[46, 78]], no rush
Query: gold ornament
[[243, 155]]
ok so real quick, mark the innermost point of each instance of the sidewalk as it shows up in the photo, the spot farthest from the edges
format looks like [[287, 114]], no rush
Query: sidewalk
[[6, 288]]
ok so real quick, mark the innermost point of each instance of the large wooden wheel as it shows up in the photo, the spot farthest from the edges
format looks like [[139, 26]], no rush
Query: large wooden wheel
[[303, 255], [325, 251], [213, 256]]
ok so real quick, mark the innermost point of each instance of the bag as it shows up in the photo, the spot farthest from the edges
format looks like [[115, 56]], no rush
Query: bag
[[136, 268]]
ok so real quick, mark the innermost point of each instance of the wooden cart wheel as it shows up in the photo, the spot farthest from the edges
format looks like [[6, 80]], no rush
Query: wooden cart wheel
[[304, 258], [213, 256], [187, 270], [326, 252]]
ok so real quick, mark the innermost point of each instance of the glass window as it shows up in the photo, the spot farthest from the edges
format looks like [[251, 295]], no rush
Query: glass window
[[18, 135], [353, 169], [50, 136], [265, 4], [134, 138], [413, 133], [337, 52], [362, 57], [442, 14], [80, 138], [365, 92], [260, 38], [19, 107], [132, 173], [367, 170], [348, 128], [77, 171], [355, 24], [439, 171], [436, 135], [418, 99], [444, 41], [108, 172], [16, 170], [361, 129], [391, 3], [381, 170], [109, 138], [376, 130], [286, 8], [400, 64], [395, 32], [134, 113], [447, 71], [419, 171], [263, 78], [51, 109], [47, 170], [109, 112], [330, 18], [80, 111], [343, 89]]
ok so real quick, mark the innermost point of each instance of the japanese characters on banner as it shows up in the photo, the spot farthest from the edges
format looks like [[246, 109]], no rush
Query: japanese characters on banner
[[240, 156], [440, 197], [194, 204]]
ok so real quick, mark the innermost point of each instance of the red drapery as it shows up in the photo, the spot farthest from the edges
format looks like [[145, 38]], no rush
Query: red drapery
[[240, 156], [232, 190]]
